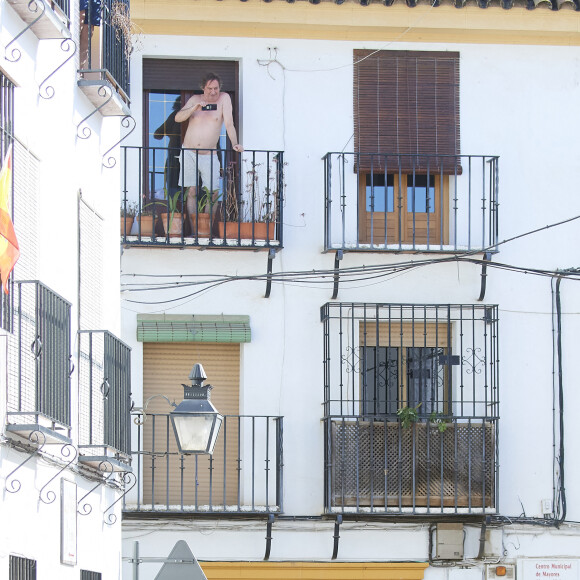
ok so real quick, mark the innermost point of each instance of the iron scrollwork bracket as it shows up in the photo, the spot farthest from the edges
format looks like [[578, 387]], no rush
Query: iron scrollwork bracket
[[337, 258], [126, 478], [15, 53], [103, 91], [65, 46], [66, 453], [271, 256], [125, 122], [86, 508], [15, 485]]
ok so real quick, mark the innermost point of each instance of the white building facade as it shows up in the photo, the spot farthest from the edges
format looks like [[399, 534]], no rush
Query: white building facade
[[64, 374], [393, 357]]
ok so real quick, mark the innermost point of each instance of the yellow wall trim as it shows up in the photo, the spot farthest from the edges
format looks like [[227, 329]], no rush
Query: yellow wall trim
[[314, 570], [350, 21]]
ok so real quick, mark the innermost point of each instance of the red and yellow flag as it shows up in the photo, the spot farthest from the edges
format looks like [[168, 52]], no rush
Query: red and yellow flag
[[9, 251]]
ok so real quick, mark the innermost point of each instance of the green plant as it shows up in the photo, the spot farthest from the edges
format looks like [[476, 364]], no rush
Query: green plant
[[128, 208], [439, 421], [408, 415], [206, 199]]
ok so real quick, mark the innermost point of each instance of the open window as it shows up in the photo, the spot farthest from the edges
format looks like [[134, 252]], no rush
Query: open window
[[406, 116], [167, 85]]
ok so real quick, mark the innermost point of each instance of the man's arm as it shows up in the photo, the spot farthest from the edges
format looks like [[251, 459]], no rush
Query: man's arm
[[229, 123], [191, 106]]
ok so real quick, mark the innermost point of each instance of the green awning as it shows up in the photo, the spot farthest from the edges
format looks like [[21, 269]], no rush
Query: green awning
[[193, 328]]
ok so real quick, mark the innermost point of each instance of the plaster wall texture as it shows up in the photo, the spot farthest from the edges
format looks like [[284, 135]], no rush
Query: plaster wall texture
[[515, 103]]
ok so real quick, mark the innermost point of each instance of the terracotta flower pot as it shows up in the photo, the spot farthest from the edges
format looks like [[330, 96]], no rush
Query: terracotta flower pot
[[200, 223], [126, 224], [146, 225], [176, 224], [245, 230]]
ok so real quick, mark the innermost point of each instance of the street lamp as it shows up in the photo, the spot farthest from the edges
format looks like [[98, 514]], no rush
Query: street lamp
[[196, 422]]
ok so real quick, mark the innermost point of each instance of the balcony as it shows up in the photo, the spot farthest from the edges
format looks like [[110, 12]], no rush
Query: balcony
[[48, 19], [39, 365], [241, 207], [104, 366], [105, 48], [244, 475], [382, 203], [411, 408]]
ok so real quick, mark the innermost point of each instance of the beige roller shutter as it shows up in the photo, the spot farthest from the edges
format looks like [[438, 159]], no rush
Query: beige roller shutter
[[165, 367], [404, 334]]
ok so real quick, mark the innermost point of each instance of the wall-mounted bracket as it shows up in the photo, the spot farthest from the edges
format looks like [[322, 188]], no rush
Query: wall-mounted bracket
[[271, 256], [337, 258], [36, 438], [103, 91], [87, 508], [15, 53], [66, 452], [336, 536], [65, 46], [126, 477], [269, 536], [126, 123], [486, 259]]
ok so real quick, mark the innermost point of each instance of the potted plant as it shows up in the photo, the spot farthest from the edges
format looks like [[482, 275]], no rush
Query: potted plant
[[255, 218], [201, 221], [172, 219], [147, 218], [128, 211]]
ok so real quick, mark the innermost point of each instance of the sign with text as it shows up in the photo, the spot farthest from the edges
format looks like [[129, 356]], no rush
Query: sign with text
[[551, 569]]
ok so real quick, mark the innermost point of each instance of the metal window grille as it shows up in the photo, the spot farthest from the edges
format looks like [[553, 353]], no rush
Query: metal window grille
[[434, 363], [88, 575], [39, 352], [22, 568], [6, 140], [104, 364]]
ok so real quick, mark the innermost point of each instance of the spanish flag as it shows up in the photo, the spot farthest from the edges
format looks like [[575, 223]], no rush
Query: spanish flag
[[9, 251]]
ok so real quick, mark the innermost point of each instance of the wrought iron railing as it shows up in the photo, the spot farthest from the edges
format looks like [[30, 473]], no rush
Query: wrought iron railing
[[391, 202], [377, 465], [39, 356], [63, 7], [108, 44], [104, 367], [241, 204], [411, 406], [244, 474]]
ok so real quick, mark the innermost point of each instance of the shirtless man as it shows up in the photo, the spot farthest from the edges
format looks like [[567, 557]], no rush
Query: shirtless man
[[202, 135]]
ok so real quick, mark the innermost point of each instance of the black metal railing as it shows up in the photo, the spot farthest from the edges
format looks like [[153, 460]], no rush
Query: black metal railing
[[106, 43], [104, 366], [39, 356], [239, 204], [243, 475], [377, 465], [411, 391], [391, 202], [63, 7]]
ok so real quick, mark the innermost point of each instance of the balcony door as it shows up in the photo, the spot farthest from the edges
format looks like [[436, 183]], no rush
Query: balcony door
[[167, 85], [402, 208]]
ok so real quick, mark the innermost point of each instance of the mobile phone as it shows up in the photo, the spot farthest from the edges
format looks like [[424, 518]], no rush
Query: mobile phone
[[210, 107]]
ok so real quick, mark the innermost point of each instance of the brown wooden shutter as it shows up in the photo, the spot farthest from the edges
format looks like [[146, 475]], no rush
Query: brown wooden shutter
[[186, 75], [165, 367], [406, 103]]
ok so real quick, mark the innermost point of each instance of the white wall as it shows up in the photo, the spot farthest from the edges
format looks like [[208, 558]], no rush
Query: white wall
[[516, 102]]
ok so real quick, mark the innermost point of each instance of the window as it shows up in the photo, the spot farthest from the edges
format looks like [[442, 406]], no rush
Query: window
[[22, 568], [87, 575], [408, 368], [168, 84], [406, 115]]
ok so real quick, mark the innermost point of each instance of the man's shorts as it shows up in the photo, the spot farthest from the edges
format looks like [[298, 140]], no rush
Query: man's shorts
[[207, 165]]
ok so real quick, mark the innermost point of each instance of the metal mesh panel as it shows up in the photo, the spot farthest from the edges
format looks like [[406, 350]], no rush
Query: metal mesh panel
[[22, 568], [87, 575], [91, 388], [417, 466], [39, 354]]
